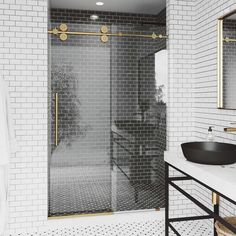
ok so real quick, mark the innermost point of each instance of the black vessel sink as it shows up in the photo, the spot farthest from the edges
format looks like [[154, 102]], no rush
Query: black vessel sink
[[210, 153]]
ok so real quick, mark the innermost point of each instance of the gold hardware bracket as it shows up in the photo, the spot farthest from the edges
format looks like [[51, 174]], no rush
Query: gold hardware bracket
[[55, 31], [104, 29], [215, 199], [104, 38], [104, 34], [63, 27], [229, 40], [63, 37]]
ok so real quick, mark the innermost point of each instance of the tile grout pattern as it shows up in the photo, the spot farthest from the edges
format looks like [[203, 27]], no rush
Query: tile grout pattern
[[23, 64], [145, 228], [78, 78]]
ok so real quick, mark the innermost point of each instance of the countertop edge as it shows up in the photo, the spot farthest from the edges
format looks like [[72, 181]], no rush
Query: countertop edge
[[223, 184]]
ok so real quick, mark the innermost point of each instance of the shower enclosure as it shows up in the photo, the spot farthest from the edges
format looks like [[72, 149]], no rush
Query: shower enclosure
[[107, 126]]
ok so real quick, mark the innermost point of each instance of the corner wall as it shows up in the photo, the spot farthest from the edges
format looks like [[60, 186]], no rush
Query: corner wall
[[180, 14]]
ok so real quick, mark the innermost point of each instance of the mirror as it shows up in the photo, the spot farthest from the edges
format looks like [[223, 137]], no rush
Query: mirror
[[153, 78], [227, 61]]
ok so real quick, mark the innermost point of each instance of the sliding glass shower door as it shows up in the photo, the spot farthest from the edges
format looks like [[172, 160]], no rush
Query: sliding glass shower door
[[107, 119], [80, 172]]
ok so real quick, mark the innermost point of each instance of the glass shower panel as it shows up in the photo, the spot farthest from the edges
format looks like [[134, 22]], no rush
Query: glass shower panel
[[138, 121], [80, 167]]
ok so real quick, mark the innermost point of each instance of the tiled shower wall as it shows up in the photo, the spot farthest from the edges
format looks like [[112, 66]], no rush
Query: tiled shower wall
[[127, 69]]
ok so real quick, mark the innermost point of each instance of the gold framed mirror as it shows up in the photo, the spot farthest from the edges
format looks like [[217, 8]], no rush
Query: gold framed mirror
[[226, 69]]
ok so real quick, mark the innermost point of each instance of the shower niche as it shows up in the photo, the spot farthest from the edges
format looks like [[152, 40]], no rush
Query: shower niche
[[107, 113]]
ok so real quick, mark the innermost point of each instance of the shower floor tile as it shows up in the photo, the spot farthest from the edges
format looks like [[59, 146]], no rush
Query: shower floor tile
[[79, 190]]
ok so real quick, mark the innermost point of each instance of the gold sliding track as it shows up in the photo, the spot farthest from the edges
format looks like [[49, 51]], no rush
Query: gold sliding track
[[80, 215], [56, 119], [62, 33]]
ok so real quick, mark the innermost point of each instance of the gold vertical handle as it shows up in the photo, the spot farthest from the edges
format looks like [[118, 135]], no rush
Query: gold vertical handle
[[56, 119]]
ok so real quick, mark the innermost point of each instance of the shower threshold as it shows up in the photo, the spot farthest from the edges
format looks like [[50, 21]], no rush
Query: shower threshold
[[107, 213]]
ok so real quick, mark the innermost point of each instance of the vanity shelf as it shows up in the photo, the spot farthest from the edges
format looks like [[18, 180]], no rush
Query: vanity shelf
[[203, 175]]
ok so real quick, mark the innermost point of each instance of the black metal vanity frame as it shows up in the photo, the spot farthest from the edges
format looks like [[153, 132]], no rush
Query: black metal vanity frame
[[169, 181]]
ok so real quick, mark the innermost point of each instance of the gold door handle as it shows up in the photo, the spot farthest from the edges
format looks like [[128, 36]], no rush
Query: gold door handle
[[56, 119]]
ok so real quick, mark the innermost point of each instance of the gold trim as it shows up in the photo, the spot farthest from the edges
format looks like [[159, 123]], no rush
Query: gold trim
[[63, 37], [104, 32], [230, 129], [104, 38], [79, 215], [215, 199], [63, 27], [220, 63], [56, 119], [104, 29], [229, 40]]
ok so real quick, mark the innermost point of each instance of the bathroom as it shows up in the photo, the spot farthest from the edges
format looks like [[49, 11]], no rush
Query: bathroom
[[102, 96]]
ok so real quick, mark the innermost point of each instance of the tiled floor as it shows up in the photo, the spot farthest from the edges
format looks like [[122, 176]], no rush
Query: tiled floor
[[145, 228], [78, 185], [76, 190]]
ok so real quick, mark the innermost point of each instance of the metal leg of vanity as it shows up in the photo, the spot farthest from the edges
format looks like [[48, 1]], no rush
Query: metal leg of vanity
[[210, 214]]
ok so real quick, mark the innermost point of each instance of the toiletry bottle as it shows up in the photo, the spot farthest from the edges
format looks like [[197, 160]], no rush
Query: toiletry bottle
[[210, 135]]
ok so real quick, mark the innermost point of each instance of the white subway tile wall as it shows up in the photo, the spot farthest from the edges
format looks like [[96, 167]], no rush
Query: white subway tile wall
[[192, 29], [205, 84], [180, 120], [23, 64], [192, 93], [180, 21]]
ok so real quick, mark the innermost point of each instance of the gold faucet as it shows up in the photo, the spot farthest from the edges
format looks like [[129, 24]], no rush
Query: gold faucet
[[230, 129]]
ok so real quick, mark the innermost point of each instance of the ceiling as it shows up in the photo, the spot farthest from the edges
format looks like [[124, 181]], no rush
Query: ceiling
[[128, 6]]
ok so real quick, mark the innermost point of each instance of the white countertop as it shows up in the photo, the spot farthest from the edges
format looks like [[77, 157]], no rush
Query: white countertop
[[220, 178]]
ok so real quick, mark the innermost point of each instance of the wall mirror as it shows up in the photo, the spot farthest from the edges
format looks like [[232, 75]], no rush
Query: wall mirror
[[227, 61]]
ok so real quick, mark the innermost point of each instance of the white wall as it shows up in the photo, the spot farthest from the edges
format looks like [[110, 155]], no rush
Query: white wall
[[192, 29], [205, 85], [180, 29], [23, 63]]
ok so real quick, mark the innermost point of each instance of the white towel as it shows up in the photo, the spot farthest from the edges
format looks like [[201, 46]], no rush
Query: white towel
[[7, 146], [7, 138], [3, 198]]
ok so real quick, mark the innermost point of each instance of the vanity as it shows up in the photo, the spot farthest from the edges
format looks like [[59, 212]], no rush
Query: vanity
[[220, 180]]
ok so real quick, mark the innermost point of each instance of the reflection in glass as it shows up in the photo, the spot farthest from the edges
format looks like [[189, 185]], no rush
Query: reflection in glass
[[111, 122]]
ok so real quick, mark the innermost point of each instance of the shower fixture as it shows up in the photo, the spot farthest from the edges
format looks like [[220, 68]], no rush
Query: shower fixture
[[104, 34], [99, 3], [94, 17]]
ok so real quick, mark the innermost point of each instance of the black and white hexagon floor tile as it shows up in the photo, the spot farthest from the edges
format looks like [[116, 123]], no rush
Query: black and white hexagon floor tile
[[146, 228]]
